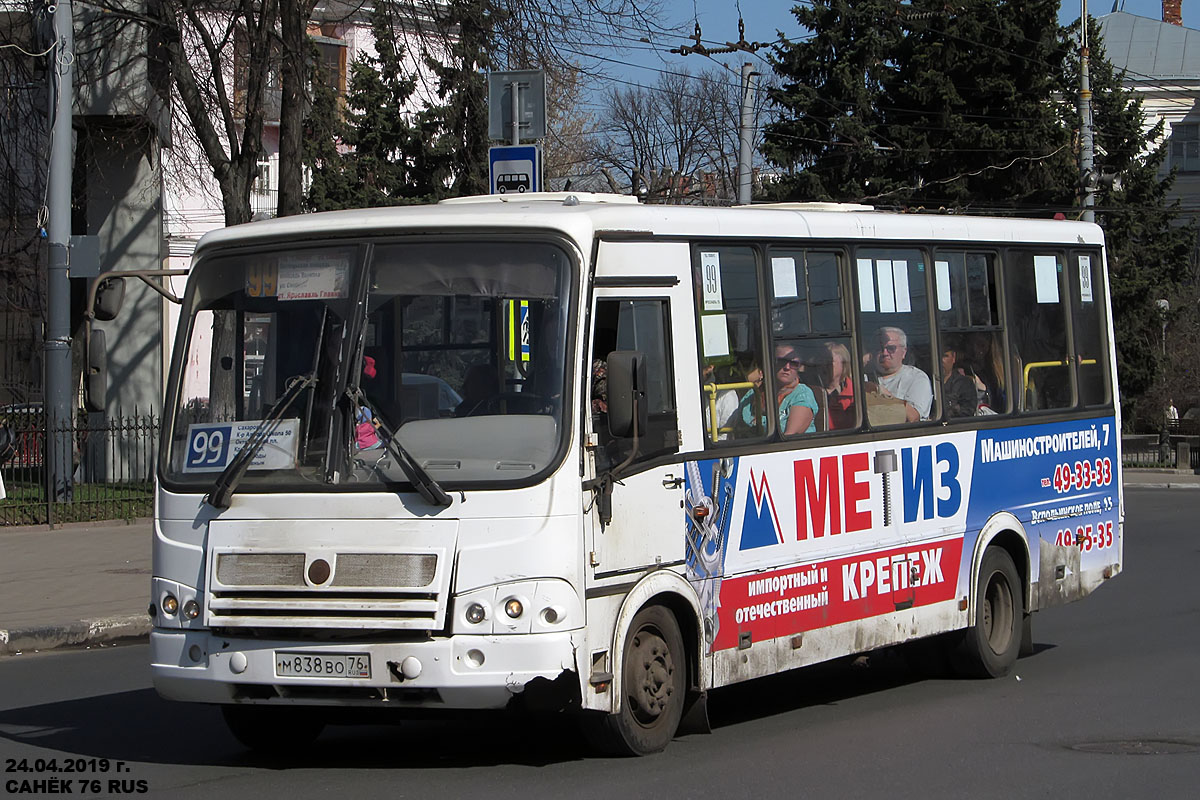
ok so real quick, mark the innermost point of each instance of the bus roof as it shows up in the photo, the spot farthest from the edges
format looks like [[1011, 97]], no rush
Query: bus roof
[[583, 216]]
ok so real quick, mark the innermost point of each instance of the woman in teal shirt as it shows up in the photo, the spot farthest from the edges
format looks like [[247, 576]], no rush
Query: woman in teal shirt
[[797, 403]]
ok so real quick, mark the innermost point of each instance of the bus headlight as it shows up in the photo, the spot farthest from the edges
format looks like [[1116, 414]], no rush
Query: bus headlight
[[525, 607], [475, 613], [174, 605]]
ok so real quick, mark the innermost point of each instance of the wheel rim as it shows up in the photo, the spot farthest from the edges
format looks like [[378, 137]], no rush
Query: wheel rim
[[998, 613], [649, 676]]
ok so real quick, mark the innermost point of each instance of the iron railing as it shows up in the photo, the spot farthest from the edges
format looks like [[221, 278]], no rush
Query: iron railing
[[1151, 451], [112, 468]]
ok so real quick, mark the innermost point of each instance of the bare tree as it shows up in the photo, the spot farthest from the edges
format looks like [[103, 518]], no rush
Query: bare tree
[[674, 141], [224, 99], [568, 147]]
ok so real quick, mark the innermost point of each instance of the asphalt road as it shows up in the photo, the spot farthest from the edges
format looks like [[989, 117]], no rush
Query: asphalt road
[[1108, 706]]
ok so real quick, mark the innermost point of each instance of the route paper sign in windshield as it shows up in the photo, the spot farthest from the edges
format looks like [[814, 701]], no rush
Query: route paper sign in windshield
[[212, 446]]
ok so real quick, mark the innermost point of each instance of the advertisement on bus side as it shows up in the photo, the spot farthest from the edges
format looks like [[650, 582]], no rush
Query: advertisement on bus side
[[783, 542]]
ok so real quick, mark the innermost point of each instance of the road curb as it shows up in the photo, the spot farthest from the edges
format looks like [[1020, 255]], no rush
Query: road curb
[[1162, 486], [76, 634]]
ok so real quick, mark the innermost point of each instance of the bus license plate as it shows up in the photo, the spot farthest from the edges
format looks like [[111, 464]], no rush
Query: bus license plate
[[322, 665]]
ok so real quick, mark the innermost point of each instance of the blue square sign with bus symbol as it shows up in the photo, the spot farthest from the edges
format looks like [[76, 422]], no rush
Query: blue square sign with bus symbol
[[515, 169]]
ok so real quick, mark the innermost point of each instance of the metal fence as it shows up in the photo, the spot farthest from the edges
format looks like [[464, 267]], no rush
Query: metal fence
[[112, 468], [1150, 451]]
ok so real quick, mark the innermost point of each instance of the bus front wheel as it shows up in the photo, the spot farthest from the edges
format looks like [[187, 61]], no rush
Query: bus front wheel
[[653, 685], [273, 731], [990, 645]]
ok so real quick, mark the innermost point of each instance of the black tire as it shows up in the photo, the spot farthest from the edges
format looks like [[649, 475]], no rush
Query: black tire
[[990, 645], [274, 731], [501, 189], [654, 686], [1026, 637]]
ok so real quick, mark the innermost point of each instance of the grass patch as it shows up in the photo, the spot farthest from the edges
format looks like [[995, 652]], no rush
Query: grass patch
[[26, 503]]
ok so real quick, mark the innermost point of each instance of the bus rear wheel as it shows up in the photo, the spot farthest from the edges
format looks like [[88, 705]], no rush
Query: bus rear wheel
[[274, 731], [654, 686], [990, 645]]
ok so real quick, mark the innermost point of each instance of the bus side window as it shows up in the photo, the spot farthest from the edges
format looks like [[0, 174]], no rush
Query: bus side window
[[732, 388], [1037, 322], [634, 324], [1088, 327], [808, 326], [972, 373], [894, 334]]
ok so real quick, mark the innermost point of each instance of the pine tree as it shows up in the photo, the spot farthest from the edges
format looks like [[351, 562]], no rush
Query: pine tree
[[330, 186], [1149, 245], [451, 159], [362, 155], [830, 132], [969, 105]]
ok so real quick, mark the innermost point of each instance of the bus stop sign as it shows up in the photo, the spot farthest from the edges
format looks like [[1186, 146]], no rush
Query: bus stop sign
[[515, 169]]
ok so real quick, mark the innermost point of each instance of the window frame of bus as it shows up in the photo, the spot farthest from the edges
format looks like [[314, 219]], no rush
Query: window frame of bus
[[756, 251], [997, 330], [1099, 290], [799, 252], [604, 439], [359, 239], [1018, 308], [861, 331]]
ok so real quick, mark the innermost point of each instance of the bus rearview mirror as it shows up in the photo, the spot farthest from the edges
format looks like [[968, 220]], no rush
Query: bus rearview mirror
[[110, 295], [626, 393]]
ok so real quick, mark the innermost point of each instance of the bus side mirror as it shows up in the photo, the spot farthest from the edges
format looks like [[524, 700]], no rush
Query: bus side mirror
[[110, 295], [95, 385], [627, 413]]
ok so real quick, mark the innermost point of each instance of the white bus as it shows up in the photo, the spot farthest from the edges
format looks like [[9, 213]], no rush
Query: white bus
[[572, 452]]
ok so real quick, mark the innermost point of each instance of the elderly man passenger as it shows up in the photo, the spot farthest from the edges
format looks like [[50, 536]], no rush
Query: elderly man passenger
[[897, 379]]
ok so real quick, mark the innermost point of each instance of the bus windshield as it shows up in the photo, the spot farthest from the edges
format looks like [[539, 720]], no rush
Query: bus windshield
[[451, 351]]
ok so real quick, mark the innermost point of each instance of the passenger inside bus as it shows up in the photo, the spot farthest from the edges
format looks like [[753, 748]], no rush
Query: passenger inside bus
[[840, 388], [984, 358], [958, 389], [895, 379], [796, 402]]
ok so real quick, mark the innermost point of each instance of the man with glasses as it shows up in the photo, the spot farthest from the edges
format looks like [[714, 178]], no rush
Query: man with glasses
[[897, 379]]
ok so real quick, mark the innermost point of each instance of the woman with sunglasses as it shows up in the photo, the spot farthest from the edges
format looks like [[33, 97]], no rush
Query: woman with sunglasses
[[797, 403]]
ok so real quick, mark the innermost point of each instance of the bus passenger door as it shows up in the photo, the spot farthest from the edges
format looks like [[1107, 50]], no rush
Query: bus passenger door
[[647, 523]]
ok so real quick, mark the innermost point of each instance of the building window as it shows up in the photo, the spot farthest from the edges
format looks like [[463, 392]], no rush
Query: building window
[[1185, 146]]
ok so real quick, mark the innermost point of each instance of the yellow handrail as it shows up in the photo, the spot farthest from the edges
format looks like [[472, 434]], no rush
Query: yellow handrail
[[1032, 365], [711, 390]]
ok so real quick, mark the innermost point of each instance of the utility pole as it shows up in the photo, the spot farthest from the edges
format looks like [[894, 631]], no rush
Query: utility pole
[[58, 397], [1087, 181], [746, 135], [746, 126]]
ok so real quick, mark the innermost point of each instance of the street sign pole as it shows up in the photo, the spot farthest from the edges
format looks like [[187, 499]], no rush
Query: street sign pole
[[516, 113]]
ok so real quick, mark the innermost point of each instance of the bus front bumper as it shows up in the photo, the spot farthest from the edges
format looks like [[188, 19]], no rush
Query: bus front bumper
[[463, 672]]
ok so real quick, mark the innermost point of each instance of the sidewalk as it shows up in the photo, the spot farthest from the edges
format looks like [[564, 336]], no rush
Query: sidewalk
[[79, 584], [88, 584]]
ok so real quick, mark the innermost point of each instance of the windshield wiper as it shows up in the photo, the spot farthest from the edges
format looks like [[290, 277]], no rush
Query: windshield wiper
[[424, 483], [227, 481]]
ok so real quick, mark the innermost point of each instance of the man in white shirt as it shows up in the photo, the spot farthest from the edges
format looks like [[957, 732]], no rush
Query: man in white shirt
[[900, 380]]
